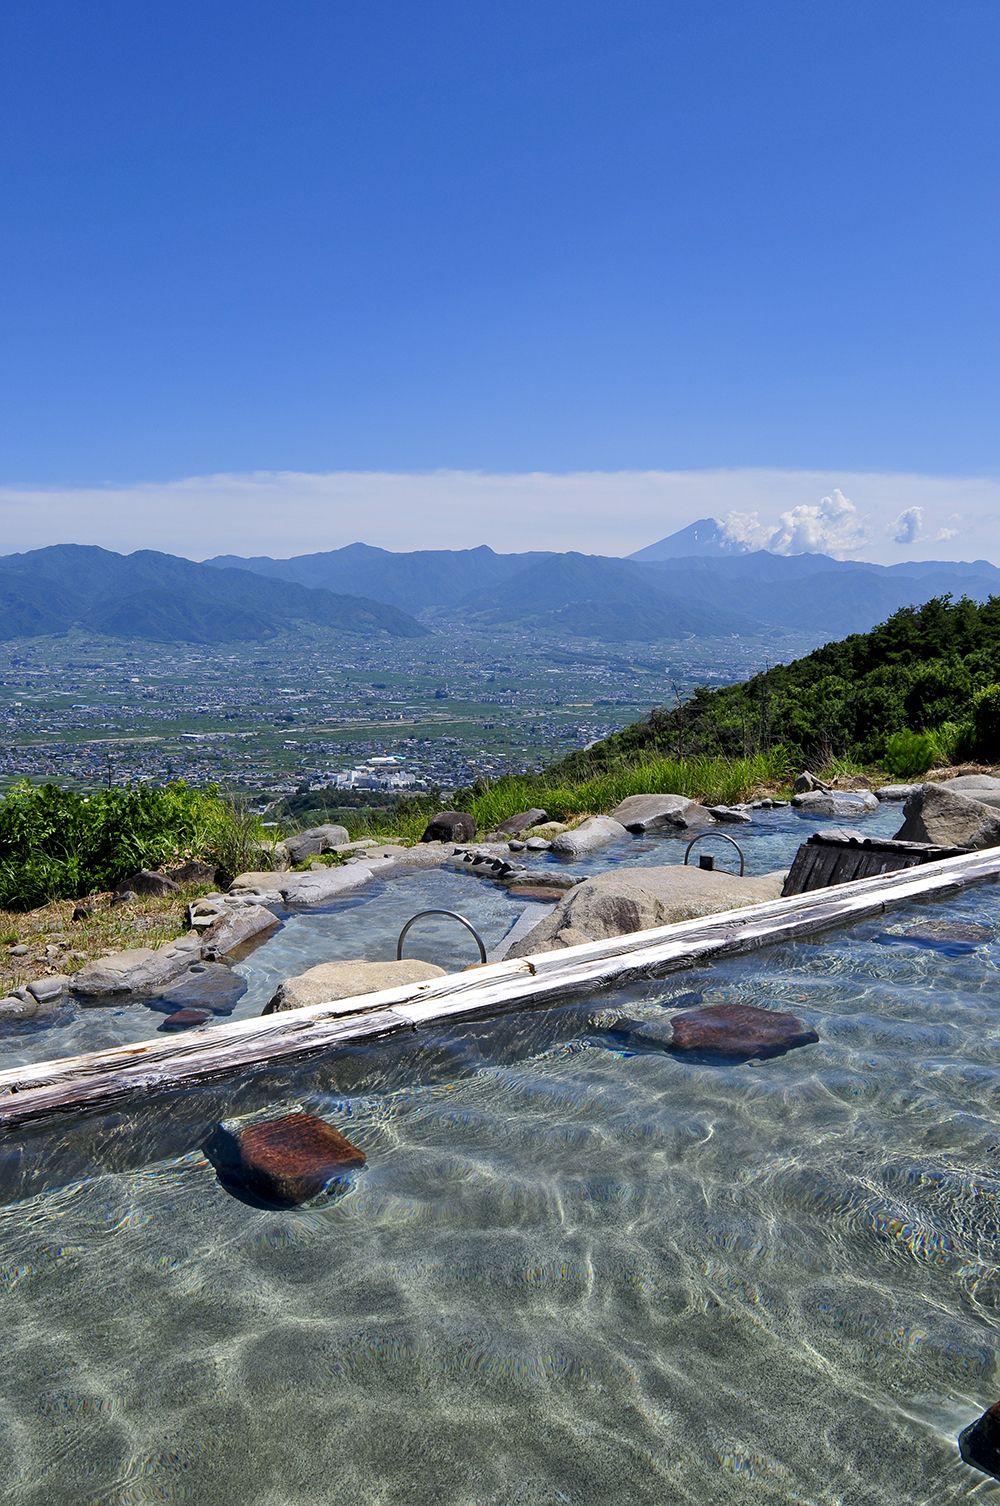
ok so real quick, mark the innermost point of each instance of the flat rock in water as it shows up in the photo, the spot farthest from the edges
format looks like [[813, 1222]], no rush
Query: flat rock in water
[[321, 886], [739, 1032], [979, 1444], [639, 813], [237, 931], [536, 891], [853, 803], [734, 814], [329, 981], [284, 1161], [953, 938], [208, 985], [896, 791], [139, 970], [595, 832], [185, 1019]]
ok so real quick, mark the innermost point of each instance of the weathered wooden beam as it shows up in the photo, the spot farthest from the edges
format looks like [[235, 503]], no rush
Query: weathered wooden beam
[[102, 1078]]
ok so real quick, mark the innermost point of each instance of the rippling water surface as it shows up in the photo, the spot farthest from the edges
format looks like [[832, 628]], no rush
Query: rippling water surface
[[566, 1274]]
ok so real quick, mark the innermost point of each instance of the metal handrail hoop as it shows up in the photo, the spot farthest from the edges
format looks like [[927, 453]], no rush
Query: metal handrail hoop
[[722, 837], [453, 915]]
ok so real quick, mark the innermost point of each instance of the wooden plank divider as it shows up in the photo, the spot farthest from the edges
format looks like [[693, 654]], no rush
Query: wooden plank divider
[[103, 1078]]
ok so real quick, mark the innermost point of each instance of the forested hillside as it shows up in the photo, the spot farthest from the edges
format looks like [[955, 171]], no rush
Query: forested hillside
[[930, 670]]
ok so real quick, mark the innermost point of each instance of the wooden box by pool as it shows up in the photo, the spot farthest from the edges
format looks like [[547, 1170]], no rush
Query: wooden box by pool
[[837, 857]]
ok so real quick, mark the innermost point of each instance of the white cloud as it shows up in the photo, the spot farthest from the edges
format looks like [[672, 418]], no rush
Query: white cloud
[[830, 526], [746, 530], [907, 528], [599, 512]]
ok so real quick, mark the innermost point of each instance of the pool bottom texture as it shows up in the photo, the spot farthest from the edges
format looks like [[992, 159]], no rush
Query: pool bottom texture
[[566, 1273]]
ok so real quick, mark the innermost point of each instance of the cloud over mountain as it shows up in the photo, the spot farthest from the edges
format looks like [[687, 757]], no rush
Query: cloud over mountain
[[830, 526], [606, 512], [908, 527]]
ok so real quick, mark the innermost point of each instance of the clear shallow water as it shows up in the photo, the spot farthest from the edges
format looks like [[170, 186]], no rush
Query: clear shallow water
[[367, 924], [565, 1275]]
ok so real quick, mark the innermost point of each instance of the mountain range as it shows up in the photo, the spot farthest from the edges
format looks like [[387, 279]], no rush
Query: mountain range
[[161, 598], [696, 582], [693, 584]]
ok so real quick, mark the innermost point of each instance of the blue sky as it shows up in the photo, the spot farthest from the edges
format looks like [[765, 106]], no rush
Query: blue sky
[[506, 238]]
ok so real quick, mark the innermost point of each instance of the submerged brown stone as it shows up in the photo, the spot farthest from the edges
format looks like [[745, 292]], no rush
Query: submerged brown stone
[[286, 1160], [185, 1019], [739, 1031], [536, 891], [979, 1444]]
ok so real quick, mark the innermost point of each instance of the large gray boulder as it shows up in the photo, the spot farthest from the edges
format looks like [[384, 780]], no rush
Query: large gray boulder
[[940, 815], [595, 832], [139, 970], [981, 787], [627, 900], [640, 813], [318, 839], [317, 886], [450, 826], [850, 803], [735, 815], [345, 980]]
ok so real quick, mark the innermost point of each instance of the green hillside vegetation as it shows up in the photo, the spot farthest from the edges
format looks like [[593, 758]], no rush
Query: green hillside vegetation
[[58, 844], [920, 689]]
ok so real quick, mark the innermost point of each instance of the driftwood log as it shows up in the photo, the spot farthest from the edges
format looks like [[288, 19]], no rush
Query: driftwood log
[[125, 1073]]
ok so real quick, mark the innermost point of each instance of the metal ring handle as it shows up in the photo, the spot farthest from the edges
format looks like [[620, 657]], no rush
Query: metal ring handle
[[721, 835], [454, 915]]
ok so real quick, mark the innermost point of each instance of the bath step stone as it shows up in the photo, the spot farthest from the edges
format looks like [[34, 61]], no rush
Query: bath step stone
[[738, 1032], [185, 1019], [285, 1161], [951, 938], [979, 1443]]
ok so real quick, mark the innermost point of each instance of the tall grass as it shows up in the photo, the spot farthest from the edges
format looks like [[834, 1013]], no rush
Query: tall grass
[[713, 781]]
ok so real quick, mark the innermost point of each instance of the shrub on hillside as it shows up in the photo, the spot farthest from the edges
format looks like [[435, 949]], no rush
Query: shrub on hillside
[[952, 742], [908, 754], [60, 844]]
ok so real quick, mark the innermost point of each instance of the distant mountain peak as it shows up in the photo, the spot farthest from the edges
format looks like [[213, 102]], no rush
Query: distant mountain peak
[[706, 538]]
